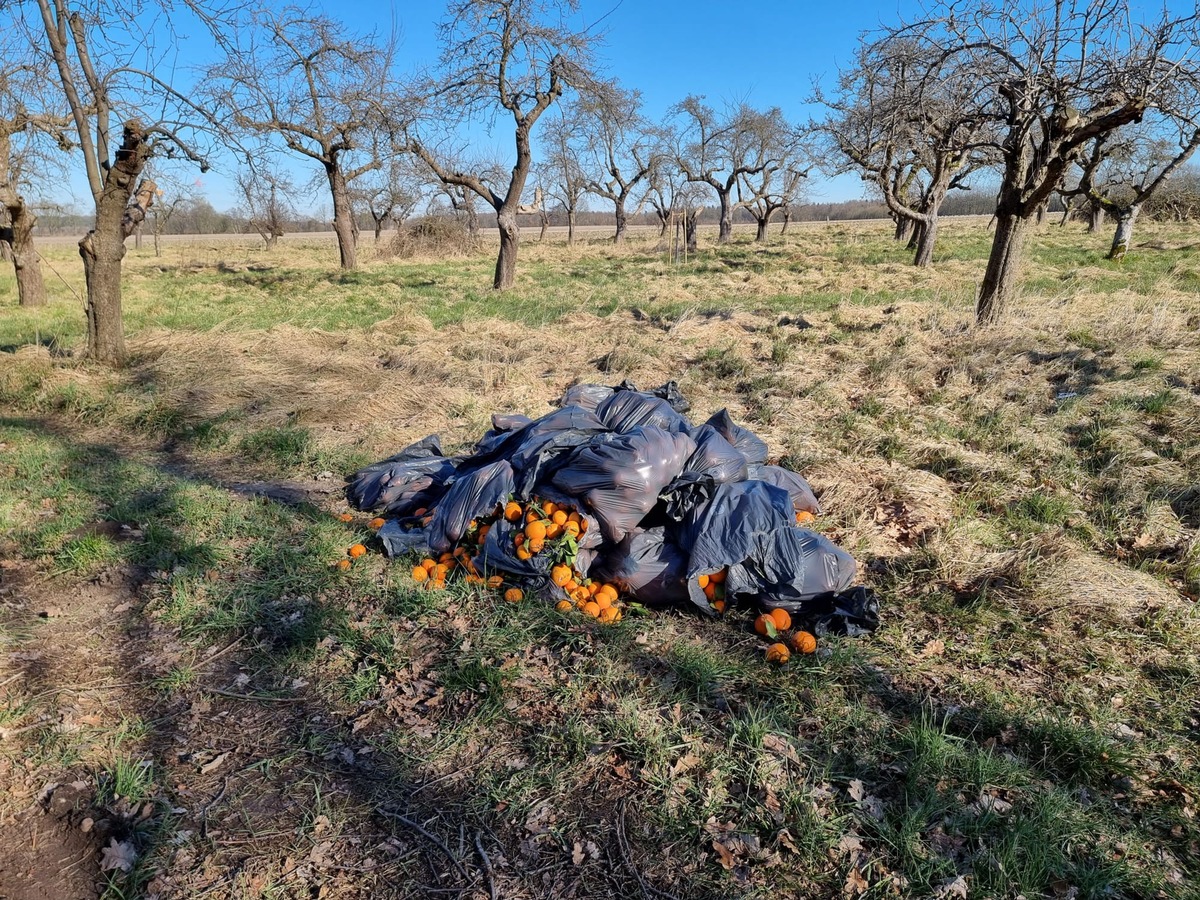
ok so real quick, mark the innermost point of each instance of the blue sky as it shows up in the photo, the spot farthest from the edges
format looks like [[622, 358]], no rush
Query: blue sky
[[665, 48], [766, 52]]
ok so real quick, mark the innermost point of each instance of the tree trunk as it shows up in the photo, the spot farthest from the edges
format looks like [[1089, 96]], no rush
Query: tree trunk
[[1095, 218], [1124, 233], [378, 230], [103, 248], [915, 230], [546, 225], [904, 229], [1003, 268], [343, 216], [17, 239], [622, 221], [570, 227], [760, 234], [1041, 212], [663, 222], [927, 238], [506, 262], [725, 228], [787, 218], [137, 238], [691, 223], [270, 239]]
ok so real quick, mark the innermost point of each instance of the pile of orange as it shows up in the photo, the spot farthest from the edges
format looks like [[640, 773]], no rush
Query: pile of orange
[[775, 625], [713, 586]]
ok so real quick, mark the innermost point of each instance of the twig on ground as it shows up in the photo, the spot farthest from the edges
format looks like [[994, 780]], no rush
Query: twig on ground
[[648, 890], [487, 867], [429, 836], [266, 698]]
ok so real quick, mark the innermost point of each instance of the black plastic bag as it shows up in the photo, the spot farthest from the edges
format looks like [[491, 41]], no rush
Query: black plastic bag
[[620, 476], [547, 442], [649, 565], [413, 478], [669, 392], [716, 461], [749, 529], [803, 498], [588, 396], [853, 612], [627, 410], [401, 537], [470, 496], [750, 444]]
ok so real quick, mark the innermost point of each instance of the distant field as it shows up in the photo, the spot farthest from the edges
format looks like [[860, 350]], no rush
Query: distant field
[[1025, 499]]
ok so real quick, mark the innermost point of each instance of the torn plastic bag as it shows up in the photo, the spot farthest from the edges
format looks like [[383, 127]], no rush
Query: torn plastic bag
[[750, 444], [502, 427], [498, 555], [470, 496], [803, 498], [716, 461], [669, 392], [749, 528], [414, 477], [853, 612], [621, 475], [648, 565], [399, 538], [626, 410], [589, 396], [546, 443]]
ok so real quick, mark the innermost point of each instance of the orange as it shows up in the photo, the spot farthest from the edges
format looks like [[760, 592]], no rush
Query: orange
[[702, 581], [765, 625], [376, 524], [514, 595], [710, 591], [804, 517], [523, 554], [609, 614], [536, 546], [564, 606], [558, 517], [609, 590], [571, 585], [603, 601], [420, 573], [554, 531], [343, 564], [560, 575], [513, 511], [429, 564], [803, 642], [495, 581], [356, 551], [536, 531], [549, 508], [346, 517], [719, 606], [778, 654], [718, 577], [440, 571], [592, 609], [572, 528], [783, 621], [580, 595]]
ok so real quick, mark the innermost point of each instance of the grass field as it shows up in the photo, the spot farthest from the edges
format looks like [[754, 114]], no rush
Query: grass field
[[195, 703]]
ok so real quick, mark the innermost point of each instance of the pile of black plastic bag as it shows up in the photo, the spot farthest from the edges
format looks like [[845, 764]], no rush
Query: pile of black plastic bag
[[668, 501]]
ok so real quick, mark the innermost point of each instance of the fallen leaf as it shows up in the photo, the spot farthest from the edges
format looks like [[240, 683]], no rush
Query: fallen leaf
[[209, 767], [117, 856], [724, 857], [935, 647], [577, 854], [955, 887], [849, 844], [855, 883], [856, 790]]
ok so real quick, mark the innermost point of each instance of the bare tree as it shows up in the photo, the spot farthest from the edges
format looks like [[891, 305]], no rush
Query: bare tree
[[914, 130], [302, 80], [92, 48], [722, 151], [24, 118], [1125, 168], [561, 169], [265, 191], [617, 146], [171, 199], [768, 192], [503, 57], [1052, 77], [391, 192]]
